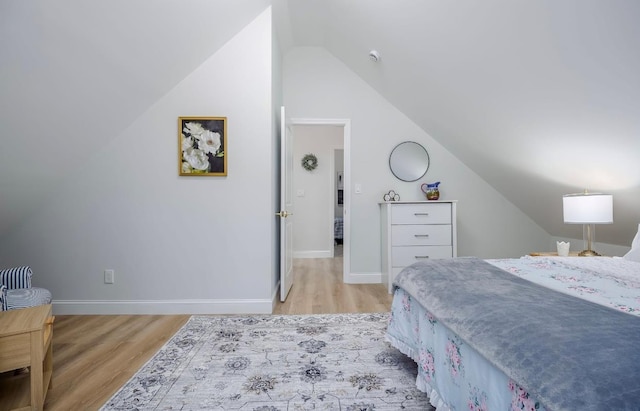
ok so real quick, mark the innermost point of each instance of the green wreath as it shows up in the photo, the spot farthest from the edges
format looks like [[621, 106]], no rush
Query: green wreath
[[309, 162]]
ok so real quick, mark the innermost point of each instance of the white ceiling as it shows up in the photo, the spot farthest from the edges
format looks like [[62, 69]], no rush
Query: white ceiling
[[539, 98], [76, 73]]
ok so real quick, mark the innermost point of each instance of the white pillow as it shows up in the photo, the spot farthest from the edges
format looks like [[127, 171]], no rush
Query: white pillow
[[634, 253]]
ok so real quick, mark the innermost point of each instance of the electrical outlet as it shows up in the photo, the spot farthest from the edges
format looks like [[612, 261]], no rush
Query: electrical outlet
[[109, 276]]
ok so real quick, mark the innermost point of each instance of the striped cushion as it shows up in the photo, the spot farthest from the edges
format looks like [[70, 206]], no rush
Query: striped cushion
[[3, 297], [18, 277], [27, 297]]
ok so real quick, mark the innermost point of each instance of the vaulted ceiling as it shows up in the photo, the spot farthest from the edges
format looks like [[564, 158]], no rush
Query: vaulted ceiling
[[74, 74], [539, 98]]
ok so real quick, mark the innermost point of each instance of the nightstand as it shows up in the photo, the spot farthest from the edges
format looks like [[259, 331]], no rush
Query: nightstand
[[551, 254]]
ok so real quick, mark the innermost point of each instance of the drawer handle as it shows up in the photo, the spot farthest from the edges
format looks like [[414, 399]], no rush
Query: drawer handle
[[427, 214], [421, 256], [421, 235]]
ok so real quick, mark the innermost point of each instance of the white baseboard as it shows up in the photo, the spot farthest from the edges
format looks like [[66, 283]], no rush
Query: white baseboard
[[161, 307], [312, 254], [363, 278], [168, 307]]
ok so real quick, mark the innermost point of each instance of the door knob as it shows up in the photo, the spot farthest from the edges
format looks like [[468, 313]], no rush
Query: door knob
[[284, 214]]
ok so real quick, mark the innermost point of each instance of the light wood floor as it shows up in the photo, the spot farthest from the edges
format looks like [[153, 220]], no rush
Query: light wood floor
[[318, 289], [93, 356]]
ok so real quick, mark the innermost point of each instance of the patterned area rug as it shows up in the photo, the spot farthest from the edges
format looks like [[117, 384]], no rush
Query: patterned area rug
[[276, 363]]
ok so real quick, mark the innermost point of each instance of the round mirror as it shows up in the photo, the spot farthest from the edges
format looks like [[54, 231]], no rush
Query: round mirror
[[409, 161]]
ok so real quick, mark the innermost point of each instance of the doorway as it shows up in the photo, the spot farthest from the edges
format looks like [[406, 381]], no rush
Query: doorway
[[316, 192], [338, 202]]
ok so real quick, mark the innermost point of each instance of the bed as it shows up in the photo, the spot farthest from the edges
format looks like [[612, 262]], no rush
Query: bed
[[533, 333]]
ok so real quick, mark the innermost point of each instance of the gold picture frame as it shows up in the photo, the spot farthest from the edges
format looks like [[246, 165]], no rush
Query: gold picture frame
[[202, 146]]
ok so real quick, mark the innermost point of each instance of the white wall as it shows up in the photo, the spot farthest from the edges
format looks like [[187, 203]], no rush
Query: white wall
[[314, 190], [177, 244], [317, 85]]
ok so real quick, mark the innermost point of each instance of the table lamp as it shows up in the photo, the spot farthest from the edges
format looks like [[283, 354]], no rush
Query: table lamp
[[588, 209]]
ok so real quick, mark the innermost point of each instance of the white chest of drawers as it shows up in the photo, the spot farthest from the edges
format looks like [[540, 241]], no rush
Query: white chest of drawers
[[416, 231]]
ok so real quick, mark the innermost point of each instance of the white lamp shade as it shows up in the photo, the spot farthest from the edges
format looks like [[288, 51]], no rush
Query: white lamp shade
[[587, 208]]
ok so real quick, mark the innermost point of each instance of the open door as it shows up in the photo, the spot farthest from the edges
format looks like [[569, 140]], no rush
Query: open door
[[286, 206]]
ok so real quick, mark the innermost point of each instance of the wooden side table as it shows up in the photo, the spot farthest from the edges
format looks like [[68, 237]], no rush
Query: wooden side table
[[551, 254], [25, 341]]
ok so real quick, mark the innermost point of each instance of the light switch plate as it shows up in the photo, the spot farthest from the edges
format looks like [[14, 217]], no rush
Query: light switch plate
[[109, 276]]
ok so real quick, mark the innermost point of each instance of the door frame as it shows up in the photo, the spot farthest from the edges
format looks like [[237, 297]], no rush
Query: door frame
[[333, 195], [346, 129]]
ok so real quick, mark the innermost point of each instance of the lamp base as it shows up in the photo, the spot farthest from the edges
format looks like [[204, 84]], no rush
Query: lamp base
[[588, 253]]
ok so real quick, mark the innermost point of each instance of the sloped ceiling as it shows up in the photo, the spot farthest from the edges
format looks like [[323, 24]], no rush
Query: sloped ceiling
[[539, 98], [74, 74]]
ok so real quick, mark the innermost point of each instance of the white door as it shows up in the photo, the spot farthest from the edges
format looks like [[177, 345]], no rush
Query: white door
[[286, 206]]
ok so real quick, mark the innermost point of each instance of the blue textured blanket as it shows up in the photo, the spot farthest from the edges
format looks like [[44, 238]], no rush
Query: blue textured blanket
[[568, 353]]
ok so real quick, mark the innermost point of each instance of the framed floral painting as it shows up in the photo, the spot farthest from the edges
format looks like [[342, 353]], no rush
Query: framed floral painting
[[202, 146]]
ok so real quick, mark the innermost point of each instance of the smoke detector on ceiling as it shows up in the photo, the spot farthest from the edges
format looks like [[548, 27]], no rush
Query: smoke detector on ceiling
[[374, 56]]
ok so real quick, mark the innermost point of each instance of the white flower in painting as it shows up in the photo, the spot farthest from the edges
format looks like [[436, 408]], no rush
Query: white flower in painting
[[196, 158], [209, 142], [195, 129], [187, 142], [186, 168]]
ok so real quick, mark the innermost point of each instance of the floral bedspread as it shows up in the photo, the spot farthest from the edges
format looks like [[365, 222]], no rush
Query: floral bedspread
[[452, 373], [456, 376], [613, 282]]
